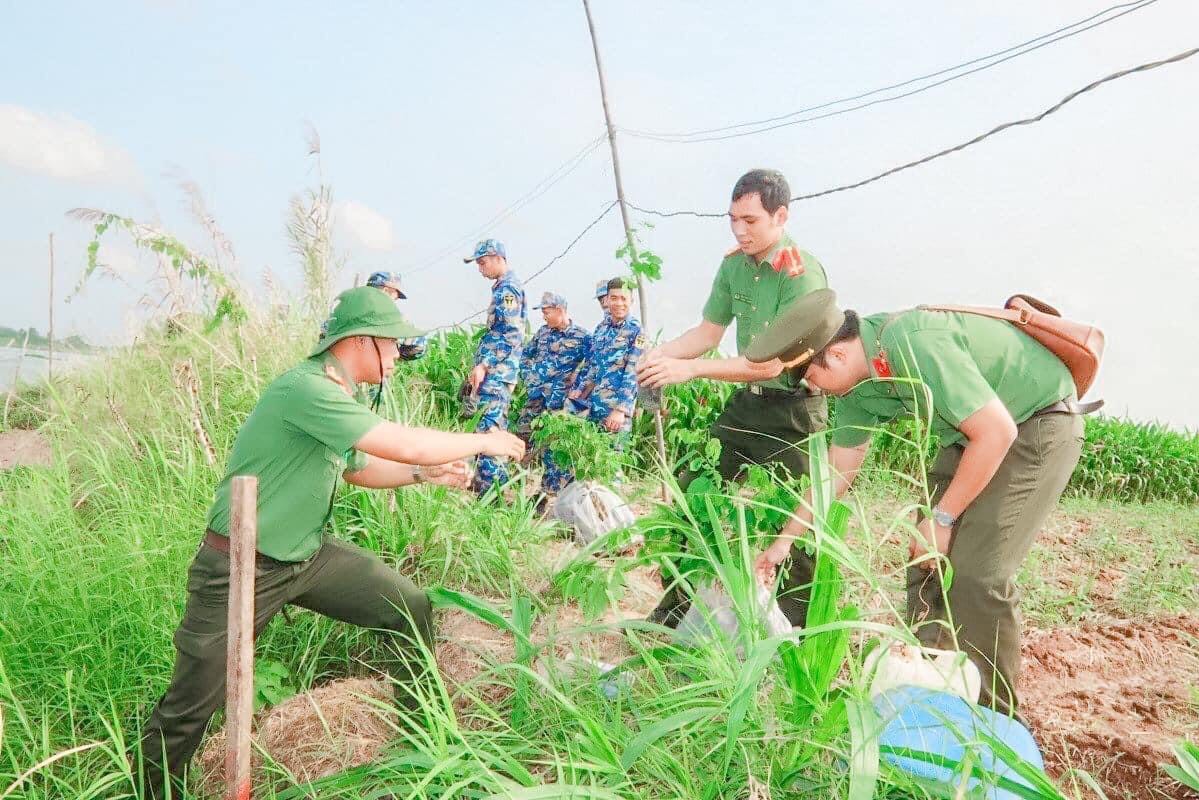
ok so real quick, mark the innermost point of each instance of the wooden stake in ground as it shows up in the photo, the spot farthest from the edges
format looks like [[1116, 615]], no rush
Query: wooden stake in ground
[[239, 692], [50, 364], [624, 217]]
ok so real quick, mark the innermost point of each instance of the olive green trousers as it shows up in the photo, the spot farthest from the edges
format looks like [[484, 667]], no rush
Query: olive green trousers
[[341, 581], [990, 540], [768, 429]]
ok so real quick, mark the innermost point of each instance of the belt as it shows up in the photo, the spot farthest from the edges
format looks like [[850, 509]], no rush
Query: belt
[[1070, 406], [770, 391], [220, 543]]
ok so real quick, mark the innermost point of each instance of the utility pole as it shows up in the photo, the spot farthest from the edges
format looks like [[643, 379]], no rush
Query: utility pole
[[50, 364], [624, 213]]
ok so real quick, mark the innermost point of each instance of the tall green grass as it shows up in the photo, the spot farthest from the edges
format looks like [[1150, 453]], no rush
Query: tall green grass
[[92, 584], [1122, 460]]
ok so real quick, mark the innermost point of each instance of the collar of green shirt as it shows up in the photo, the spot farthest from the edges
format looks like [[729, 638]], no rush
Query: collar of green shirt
[[870, 332], [327, 359], [874, 384], [882, 379], [767, 258]]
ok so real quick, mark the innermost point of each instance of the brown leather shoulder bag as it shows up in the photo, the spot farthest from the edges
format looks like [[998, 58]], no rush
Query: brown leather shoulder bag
[[1077, 344]]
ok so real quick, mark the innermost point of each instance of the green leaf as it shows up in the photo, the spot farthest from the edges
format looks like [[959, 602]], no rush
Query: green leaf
[[654, 732], [864, 725]]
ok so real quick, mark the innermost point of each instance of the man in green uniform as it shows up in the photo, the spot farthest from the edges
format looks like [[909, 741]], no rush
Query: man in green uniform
[[1004, 410], [768, 421], [305, 432]]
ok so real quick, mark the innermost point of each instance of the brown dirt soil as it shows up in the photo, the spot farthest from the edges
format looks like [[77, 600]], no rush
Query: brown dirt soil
[[314, 734], [1111, 698], [1107, 697], [24, 449], [468, 647]]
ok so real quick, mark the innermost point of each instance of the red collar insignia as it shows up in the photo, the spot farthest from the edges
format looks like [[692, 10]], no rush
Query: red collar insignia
[[882, 367], [789, 260]]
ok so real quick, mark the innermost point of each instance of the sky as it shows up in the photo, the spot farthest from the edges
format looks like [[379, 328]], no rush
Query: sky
[[434, 118]]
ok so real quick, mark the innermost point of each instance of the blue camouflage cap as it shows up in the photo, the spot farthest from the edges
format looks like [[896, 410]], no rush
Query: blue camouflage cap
[[386, 280], [551, 300], [601, 289], [487, 247]]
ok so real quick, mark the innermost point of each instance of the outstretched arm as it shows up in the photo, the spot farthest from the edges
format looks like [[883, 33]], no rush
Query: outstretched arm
[[429, 447]]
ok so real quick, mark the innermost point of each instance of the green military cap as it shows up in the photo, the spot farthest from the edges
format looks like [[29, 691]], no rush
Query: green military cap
[[364, 311], [800, 331]]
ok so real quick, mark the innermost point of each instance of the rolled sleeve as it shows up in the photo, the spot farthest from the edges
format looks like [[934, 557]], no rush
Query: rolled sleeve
[[719, 307]]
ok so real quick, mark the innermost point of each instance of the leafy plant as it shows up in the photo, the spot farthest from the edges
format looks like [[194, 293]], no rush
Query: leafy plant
[[594, 585], [273, 683], [1187, 770], [642, 263], [178, 264], [696, 524], [579, 445]]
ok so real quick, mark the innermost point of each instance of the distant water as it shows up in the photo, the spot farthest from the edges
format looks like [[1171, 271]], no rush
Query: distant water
[[34, 366]]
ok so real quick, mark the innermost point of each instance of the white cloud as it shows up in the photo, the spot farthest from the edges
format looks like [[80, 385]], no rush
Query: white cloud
[[368, 227], [59, 146]]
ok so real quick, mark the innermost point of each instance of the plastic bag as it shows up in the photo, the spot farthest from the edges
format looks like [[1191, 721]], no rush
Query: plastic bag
[[712, 614], [943, 724], [900, 664], [592, 510]]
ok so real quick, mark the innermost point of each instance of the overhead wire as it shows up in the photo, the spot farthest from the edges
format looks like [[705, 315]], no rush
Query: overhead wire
[[785, 120], [956, 148], [607, 209], [544, 185]]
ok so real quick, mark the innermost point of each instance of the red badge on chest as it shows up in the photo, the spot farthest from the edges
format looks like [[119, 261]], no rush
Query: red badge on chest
[[882, 367]]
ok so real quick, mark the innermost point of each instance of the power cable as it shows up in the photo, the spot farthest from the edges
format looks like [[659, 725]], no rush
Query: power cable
[[545, 267], [941, 153], [694, 137], [559, 173]]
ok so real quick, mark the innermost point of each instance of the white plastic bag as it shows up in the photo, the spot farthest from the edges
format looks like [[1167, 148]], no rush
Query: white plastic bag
[[712, 614], [899, 664], [592, 510]]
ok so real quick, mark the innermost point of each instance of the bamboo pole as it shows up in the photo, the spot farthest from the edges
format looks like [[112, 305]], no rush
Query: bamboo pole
[[239, 692], [642, 297]]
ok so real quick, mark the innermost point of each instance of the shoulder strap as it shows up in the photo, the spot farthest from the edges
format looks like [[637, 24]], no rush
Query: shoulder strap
[[1018, 316]]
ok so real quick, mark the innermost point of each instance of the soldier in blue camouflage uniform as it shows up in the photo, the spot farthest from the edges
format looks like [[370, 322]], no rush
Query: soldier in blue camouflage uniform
[[605, 390], [550, 361], [601, 294], [497, 361], [389, 283]]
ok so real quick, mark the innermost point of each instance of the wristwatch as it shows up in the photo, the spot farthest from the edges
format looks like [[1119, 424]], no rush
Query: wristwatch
[[943, 518], [418, 474]]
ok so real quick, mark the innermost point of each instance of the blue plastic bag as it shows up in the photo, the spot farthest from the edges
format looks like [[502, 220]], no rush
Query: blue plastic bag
[[945, 725]]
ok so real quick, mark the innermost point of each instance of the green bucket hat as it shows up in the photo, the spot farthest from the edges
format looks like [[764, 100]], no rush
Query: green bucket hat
[[801, 330], [364, 311]]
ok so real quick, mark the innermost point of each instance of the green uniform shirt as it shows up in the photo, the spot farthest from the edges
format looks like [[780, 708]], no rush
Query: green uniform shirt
[[963, 361], [298, 441], [754, 293]]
